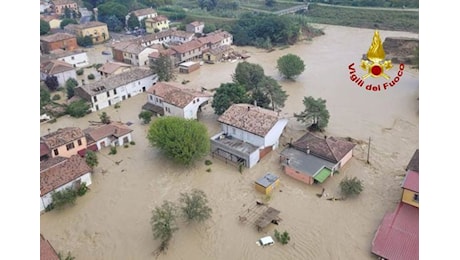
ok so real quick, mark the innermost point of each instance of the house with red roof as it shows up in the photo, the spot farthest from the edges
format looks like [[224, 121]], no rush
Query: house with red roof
[[248, 133], [63, 142], [169, 99], [157, 23], [108, 135], [47, 251], [312, 158], [195, 27], [59, 69], [60, 173], [397, 237]]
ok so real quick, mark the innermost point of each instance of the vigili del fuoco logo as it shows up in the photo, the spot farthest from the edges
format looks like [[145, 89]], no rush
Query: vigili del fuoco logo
[[375, 66]]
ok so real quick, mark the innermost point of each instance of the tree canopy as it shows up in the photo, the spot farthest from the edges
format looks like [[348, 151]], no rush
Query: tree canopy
[[315, 115], [78, 108], [183, 140], [194, 206], [290, 66], [67, 21], [133, 21], [163, 222], [248, 74], [163, 67], [91, 158], [228, 94], [44, 27], [351, 186]]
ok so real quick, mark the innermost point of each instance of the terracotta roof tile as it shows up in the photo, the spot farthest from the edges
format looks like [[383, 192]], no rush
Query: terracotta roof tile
[[111, 67], [47, 251], [51, 162], [145, 11], [196, 23], [62, 136], [250, 118], [115, 129], [328, 148], [53, 67], [57, 37], [62, 173], [175, 95], [187, 46]]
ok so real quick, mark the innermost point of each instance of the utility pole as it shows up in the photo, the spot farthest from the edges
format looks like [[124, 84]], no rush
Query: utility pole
[[368, 149]]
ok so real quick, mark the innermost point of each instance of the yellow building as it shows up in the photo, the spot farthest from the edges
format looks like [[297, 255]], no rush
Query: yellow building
[[97, 30], [267, 183], [410, 189], [158, 23]]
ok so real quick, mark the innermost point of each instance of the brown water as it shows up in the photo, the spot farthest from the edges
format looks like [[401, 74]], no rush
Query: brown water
[[112, 220]]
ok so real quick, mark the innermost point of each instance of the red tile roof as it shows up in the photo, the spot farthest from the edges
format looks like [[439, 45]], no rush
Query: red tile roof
[[115, 129], [187, 46], [250, 118], [328, 148], [62, 136], [54, 67], [175, 95], [398, 234], [62, 173], [411, 181], [57, 37], [44, 150], [47, 251]]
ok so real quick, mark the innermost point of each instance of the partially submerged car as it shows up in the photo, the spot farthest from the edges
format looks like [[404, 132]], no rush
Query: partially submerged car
[[265, 241]]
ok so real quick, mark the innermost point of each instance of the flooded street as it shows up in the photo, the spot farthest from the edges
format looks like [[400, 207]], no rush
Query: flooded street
[[112, 221]]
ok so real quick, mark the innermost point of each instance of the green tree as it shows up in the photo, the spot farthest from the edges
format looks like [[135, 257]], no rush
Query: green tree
[[133, 21], [91, 158], [52, 82], [146, 116], [194, 206], [44, 27], [163, 222], [181, 139], [273, 92], [70, 85], [112, 8], [105, 119], [270, 3], [63, 197], [114, 24], [248, 74], [228, 94], [67, 257], [67, 21], [84, 41], [351, 186], [163, 67], [78, 108], [45, 97], [290, 66], [283, 238], [315, 115]]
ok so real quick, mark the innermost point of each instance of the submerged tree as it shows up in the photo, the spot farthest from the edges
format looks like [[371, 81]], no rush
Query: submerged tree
[[194, 206], [163, 223], [163, 67], [351, 186], [91, 158], [315, 115], [228, 94], [290, 66]]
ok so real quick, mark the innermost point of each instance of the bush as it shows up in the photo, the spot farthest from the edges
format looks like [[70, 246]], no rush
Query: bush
[[351, 186], [113, 150], [78, 108], [117, 105], [126, 145], [146, 116], [64, 197], [132, 143], [82, 190], [97, 66], [80, 72], [207, 162], [56, 97], [283, 238], [91, 76], [208, 170]]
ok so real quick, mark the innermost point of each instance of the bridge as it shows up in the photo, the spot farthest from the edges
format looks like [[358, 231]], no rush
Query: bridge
[[293, 9]]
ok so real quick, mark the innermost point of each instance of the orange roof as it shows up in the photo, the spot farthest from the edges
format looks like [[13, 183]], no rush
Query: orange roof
[[115, 129], [47, 251], [175, 95]]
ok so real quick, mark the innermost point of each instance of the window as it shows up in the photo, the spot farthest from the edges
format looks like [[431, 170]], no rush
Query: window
[[56, 152], [95, 99], [415, 198], [79, 142], [73, 58], [114, 91], [70, 146], [108, 93]]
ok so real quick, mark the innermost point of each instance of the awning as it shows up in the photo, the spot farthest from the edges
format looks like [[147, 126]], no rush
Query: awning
[[322, 175]]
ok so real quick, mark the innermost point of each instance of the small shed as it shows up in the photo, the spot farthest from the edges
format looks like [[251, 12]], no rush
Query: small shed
[[188, 66], [267, 183]]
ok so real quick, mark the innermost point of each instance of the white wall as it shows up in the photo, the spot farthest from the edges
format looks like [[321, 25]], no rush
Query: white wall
[[274, 134], [254, 158], [77, 60], [45, 200], [191, 110], [171, 110], [243, 135]]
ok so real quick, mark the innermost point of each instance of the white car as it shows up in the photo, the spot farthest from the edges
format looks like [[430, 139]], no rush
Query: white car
[[265, 241]]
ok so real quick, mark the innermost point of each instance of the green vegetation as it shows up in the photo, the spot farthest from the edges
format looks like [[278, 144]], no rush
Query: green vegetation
[[67, 257], [228, 94], [183, 140], [207, 162], [365, 18], [70, 85], [164, 67], [63, 197], [80, 71], [132, 143], [52, 83], [194, 206], [113, 150], [374, 3], [91, 158], [78, 108], [105, 119], [91, 76], [67, 21], [146, 116], [56, 97], [315, 115], [163, 223], [290, 66], [283, 238], [85, 41], [351, 186], [44, 27]]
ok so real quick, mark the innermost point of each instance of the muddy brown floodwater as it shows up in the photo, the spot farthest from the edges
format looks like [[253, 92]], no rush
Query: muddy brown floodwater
[[112, 220]]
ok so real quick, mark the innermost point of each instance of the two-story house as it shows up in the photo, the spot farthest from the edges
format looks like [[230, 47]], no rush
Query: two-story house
[[108, 135], [188, 51], [195, 27], [77, 58], [60, 6], [248, 133], [113, 68], [156, 24], [58, 41], [63, 142], [59, 69], [169, 99], [131, 52], [397, 237], [98, 31], [312, 158], [142, 14], [113, 89]]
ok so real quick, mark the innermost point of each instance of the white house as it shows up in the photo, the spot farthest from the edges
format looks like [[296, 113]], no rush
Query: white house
[[116, 88], [248, 134], [113, 134], [59, 173], [60, 69], [142, 14], [195, 27], [76, 58], [172, 100]]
